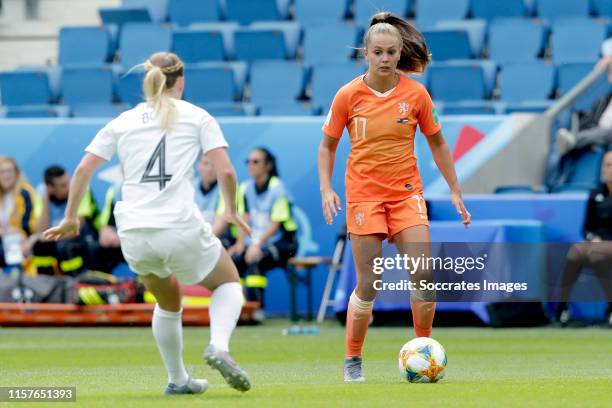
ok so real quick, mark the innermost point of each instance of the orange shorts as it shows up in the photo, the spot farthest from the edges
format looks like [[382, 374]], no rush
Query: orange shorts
[[389, 218]]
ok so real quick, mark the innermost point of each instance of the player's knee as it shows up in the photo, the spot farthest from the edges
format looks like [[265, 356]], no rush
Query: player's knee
[[577, 253]]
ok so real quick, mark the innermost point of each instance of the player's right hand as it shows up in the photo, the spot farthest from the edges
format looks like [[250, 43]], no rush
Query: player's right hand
[[234, 218], [68, 228], [331, 205]]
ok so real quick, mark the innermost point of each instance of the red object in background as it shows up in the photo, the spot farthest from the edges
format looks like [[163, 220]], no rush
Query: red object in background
[[468, 138], [195, 290]]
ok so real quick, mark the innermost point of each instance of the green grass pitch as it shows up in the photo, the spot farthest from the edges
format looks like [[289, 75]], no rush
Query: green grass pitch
[[120, 367]]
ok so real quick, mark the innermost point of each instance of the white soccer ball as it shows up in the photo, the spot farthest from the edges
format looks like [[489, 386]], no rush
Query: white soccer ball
[[422, 360]]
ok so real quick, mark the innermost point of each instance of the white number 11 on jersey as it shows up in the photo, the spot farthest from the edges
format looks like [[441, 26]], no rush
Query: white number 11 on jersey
[[360, 135]]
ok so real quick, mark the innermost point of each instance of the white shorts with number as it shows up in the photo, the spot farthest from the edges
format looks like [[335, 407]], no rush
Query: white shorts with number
[[189, 253]]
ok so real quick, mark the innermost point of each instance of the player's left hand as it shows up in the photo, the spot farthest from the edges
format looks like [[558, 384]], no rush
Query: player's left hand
[[68, 228], [457, 201]]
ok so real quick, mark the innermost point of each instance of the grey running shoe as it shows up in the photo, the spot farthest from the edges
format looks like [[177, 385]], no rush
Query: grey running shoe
[[192, 387], [235, 376], [352, 370]]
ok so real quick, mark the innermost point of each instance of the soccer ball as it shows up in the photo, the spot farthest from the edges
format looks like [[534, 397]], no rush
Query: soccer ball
[[422, 360]]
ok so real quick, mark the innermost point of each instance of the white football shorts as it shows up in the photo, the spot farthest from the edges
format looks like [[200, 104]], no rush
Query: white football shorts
[[189, 253]]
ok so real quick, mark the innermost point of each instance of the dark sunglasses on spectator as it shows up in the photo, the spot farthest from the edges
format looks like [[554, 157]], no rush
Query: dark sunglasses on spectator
[[253, 161]]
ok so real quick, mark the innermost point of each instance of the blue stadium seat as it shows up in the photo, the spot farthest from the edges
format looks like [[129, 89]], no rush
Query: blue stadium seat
[[572, 73], [365, 9], [84, 45], [514, 189], [431, 11], [316, 12], [228, 108], [461, 80], [527, 106], [328, 78], [96, 110], [117, 16], [329, 43], [445, 44], [475, 30], [34, 111], [455, 39], [139, 40], [580, 169], [551, 10], [277, 40], [603, 8], [515, 40], [25, 87], [158, 9], [471, 108], [293, 108], [490, 9], [214, 82], [266, 77], [185, 12], [248, 11], [129, 86], [198, 46], [577, 39], [527, 81], [86, 85], [225, 29]]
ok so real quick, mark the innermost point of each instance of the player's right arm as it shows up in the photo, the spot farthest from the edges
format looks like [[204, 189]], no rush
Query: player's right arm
[[226, 176], [330, 200], [335, 123]]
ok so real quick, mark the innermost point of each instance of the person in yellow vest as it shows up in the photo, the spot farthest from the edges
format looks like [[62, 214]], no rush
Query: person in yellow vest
[[67, 256], [16, 214], [106, 252], [265, 204]]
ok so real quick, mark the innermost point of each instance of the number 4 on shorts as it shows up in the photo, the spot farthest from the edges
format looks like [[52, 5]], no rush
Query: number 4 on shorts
[[159, 156]]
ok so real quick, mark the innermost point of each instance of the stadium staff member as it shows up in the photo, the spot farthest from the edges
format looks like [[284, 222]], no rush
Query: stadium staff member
[[596, 250], [265, 204], [69, 255], [16, 208]]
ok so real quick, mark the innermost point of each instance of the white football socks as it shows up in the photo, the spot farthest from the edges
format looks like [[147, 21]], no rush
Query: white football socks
[[168, 333], [224, 309]]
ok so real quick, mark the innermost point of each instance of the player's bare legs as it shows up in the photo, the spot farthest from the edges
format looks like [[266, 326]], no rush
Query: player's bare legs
[[224, 310], [168, 333], [415, 242], [365, 249]]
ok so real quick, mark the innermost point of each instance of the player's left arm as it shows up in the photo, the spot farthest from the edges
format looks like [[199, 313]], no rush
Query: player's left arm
[[444, 160], [78, 187]]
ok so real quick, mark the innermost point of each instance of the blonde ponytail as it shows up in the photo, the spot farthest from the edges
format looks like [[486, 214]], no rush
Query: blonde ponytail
[[162, 71]]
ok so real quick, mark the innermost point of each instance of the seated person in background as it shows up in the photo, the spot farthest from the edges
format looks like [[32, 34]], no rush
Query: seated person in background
[[600, 134], [596, 251], [66, 256], [16, 209], [265, 204], [106, 254], [210, 202]]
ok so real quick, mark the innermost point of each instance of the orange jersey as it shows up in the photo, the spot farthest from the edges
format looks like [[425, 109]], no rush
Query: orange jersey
[[382, 165]]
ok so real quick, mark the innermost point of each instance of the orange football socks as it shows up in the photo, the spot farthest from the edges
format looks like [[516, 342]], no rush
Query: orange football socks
[[357, 321], [422, 317]]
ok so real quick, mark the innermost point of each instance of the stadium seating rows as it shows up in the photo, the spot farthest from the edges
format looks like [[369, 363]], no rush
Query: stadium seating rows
[[530, 85], [510, 60]]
